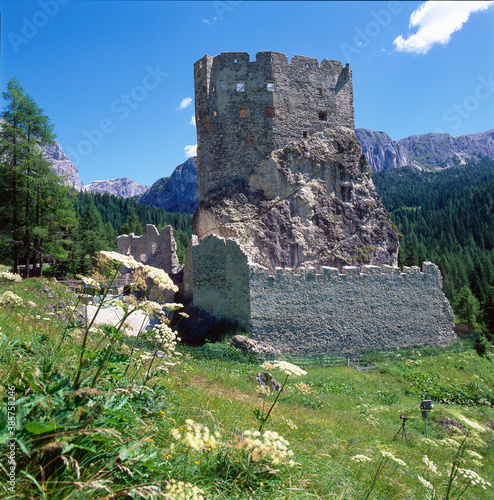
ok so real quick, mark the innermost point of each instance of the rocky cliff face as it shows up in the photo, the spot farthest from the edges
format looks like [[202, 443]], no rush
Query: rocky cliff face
[[177, 193], [427, 151], [62, 166], [125, 187], [309, 204]]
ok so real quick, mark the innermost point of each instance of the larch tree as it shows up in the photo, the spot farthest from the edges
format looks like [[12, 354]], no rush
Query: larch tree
[[33, 203]]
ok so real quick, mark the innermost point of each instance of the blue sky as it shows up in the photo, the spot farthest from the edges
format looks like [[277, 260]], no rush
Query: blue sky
[[116, 77]]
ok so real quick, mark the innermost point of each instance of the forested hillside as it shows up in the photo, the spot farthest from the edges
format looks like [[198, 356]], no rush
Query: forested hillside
[[125, 216], [446, 217]]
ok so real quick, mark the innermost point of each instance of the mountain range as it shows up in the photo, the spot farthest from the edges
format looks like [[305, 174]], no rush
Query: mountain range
[[178, 193], [427, 152]]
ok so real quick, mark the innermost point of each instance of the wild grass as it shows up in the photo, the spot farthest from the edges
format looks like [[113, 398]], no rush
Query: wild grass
[[181, 433]]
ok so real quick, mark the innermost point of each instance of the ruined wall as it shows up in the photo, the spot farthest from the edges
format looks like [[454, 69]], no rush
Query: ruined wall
[[310, 313], [153, 248], [246, 109], [221, 279]]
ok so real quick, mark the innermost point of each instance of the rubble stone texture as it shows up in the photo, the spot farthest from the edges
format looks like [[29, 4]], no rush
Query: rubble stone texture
[[312, 313], [153, 248]]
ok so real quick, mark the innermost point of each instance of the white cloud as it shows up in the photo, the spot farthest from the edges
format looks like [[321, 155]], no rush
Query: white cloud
[[185, 103], [190, 150], [436, 22], [193, 120], [210, 23]]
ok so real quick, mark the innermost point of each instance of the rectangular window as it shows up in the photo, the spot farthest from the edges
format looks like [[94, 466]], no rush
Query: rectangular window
[[244, 112], [304, 134], [269, 111], [323, 116], [319, 91], [270, 86], [240, 86]]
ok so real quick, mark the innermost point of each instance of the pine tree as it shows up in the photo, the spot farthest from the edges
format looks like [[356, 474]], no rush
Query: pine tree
[[31, 193], [132, 224], [467, 307], [91, 235]]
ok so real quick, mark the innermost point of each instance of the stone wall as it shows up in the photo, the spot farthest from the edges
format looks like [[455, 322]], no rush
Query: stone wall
[[153, 248], [221, 279], [246, 109], [311, 313]]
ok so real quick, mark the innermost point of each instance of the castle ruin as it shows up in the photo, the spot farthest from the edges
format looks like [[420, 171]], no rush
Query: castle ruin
[[293, 242], [152, 248]]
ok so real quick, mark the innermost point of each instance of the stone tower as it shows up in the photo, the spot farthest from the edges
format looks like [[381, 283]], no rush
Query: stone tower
[[247, 109]]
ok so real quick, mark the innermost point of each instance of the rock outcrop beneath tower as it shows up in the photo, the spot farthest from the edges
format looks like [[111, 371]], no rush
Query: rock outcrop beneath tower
[[280, 169], [311, 203]]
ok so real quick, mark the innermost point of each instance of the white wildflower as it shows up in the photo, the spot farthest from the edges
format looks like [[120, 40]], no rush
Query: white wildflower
[[8, 276], [150, 307], [475, 454], [392, 457], [473, 478], [195, 436], [285, 367], [303, 388], [361, 458], [425, 483], [10, 298], [268, 447], [472, 424], [159, 278], [171, 306], [183, 491], [431, 466], [122, 260], [88, 281]]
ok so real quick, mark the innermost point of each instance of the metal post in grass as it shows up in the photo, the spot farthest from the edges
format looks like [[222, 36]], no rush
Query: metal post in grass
[[426, 406]]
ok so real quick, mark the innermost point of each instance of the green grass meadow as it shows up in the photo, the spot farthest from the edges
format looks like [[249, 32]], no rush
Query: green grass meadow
[[124, 429]]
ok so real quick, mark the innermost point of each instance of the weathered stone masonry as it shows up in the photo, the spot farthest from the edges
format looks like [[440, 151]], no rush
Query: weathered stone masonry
[[309, 313], [153, 248], [283, 183], [246, 109]]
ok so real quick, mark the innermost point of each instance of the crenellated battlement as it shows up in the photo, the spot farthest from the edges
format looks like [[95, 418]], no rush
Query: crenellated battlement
[[349, 272], [241, 61], [311, 312]]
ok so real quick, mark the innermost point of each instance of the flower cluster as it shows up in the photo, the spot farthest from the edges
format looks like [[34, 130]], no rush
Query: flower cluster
[[269, 446], [166, 338], [361, 458], [182, 491], [285, 367], [122, 260], [431, 466], [473, 478], [304, 388], [472, 424], [425, 483], [150, 307], [88, 281], [196, 436], [10, 298], [159, 278], [8, 276], [387, 454]]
